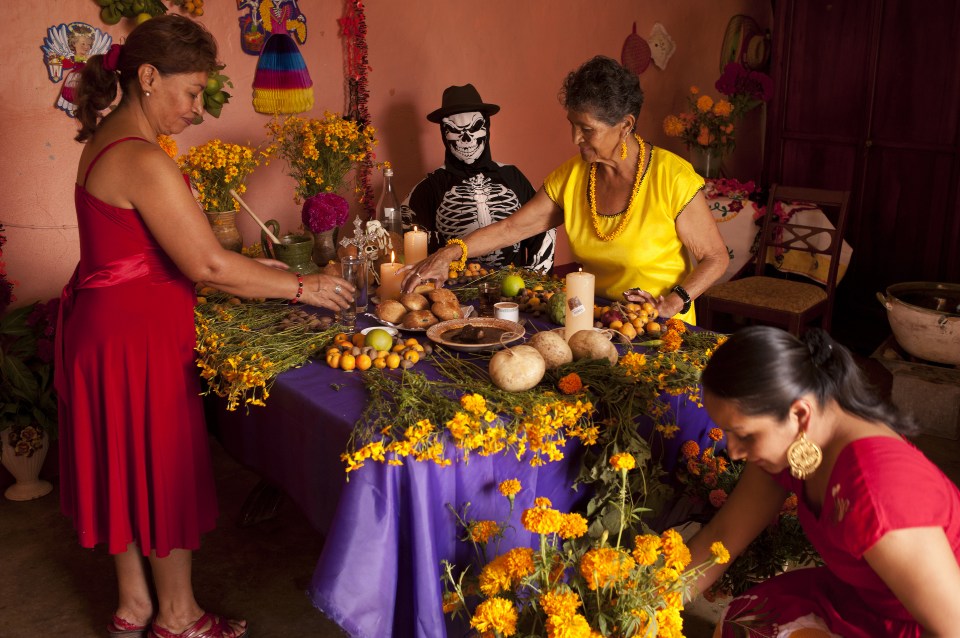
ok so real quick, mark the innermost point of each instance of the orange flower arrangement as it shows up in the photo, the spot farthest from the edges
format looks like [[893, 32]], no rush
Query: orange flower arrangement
[[708, 124]]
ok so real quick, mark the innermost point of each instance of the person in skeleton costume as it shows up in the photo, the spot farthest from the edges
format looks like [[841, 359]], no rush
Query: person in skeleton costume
[[471, 191]]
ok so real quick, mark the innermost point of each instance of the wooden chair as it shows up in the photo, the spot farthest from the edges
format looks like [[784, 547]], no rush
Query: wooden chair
[[781, 301]]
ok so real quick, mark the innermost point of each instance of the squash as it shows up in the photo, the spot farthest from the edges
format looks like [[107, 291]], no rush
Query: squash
[[517, 369], [552, 347], [557, 308], [593, 344]]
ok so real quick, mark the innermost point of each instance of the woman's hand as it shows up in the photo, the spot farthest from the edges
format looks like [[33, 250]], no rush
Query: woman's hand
[[327, 291], [667, 306], [434, 268]]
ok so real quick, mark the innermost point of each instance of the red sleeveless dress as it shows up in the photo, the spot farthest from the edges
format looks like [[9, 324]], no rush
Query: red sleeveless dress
[[134, 457]]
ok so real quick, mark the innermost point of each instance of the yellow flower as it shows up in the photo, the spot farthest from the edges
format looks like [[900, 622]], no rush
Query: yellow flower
[[561, 603], [672, 126], [572, 526], [605, 566], [482, 531], [495, 615], [574, 626], [715, 434], [723, 108], [704, 103], [675, 552], [623, 461], [510, 487], [646, 549], [474, 403], [720, 553], [542, 520], [542, 501], [669, 623]]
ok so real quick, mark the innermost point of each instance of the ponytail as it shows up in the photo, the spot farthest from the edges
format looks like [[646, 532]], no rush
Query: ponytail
[[95, 93]]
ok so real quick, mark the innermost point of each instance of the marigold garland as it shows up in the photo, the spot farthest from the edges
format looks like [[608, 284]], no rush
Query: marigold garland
[[627, 212]]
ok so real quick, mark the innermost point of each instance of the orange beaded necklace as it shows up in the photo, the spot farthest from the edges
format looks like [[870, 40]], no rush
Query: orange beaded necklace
[[592, 197]]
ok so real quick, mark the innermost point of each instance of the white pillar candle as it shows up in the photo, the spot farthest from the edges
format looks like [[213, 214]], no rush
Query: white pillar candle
[[390, 279], [578, 313], [414, 246]]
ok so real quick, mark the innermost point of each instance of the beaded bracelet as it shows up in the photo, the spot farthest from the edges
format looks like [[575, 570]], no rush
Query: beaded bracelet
[[296, 299], [458, 266]]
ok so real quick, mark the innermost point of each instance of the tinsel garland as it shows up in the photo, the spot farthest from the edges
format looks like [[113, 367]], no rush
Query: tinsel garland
[[353, 27]]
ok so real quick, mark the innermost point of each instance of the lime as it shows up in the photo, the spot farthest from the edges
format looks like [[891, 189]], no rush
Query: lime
[[511, 286], [213, 86], [379, 339], [142, 17]]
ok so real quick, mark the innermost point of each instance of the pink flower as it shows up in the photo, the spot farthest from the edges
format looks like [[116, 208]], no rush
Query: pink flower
[[324, 211]]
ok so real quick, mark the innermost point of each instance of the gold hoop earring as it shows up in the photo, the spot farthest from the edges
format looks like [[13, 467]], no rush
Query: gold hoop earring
[[623, 149], [804, 457]]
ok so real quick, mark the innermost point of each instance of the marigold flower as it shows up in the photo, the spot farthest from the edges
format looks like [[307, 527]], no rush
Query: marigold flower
[[570, 384], [669, 623], [673, 126], [676, 325], [676, 554], [560, 603], [542, 520], [574, 626], [482, 531], [720, 552], [715, 434], [495, 615], [604, 566], [495, 577], [542, 501], [718, 497], [451, 602], [704, 103], [623, 461], [723, 108], [646, 549], [509, 487], [573, 525], [671, 341], [690, 449], [790, 504]]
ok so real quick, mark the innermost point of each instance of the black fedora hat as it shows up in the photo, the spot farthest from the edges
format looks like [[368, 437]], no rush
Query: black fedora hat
[[461, 99]]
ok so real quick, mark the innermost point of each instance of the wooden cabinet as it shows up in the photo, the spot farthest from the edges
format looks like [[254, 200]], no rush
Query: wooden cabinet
[[868, 99]]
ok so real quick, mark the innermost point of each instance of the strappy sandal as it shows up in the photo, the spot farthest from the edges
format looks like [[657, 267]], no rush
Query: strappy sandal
[[120, 628], [207, 626]]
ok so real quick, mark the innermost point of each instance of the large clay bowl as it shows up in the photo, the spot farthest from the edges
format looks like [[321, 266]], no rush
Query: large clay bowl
[[925, 319]]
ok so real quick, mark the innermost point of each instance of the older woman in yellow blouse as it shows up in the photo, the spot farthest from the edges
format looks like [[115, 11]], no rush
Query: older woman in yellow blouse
[[634, 213]]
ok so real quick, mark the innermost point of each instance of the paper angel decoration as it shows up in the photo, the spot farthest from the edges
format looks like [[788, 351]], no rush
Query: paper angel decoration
[[68, 47]]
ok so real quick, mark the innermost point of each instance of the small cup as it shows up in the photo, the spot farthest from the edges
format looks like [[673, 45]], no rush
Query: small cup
[[489, 294], [506, 310]]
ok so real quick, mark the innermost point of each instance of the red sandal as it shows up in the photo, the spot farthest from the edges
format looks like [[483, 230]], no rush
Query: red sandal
[[120, 628], [207, 626]]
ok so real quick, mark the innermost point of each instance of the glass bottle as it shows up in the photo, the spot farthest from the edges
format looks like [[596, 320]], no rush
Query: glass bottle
[[388, 214]]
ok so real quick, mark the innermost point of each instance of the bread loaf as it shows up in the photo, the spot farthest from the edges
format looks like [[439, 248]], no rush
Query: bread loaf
[[391, 310], [446, 311], [414, 301], [419, 319]]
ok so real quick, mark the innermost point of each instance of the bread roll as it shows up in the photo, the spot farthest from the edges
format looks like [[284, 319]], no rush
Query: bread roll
[[446, 311], [419, 319], [425, 288], [414, 301], [444, 296], [391, 310]]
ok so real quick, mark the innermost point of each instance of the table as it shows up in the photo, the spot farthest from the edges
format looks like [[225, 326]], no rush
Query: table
[[389, 527]]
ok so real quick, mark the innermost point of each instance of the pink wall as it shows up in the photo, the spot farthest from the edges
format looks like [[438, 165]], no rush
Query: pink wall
[[515, 52]]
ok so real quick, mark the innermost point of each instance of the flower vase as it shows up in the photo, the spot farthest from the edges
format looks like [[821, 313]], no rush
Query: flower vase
[[325, 247], [706, 161], [224, 225], [25, 469]]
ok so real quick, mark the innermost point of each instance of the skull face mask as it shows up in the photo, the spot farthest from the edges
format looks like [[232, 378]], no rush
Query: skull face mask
[[465, 135]]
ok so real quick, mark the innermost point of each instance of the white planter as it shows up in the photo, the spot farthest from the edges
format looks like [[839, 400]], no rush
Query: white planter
[[25, 470]]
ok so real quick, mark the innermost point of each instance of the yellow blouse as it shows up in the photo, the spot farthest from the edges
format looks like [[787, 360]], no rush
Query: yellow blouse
[[648, 254]]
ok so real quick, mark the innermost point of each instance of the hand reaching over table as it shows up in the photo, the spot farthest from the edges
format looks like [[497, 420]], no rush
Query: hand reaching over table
[[434, 268]]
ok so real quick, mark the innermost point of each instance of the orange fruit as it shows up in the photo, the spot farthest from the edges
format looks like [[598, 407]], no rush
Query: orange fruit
[[652, 328], [393, 361], [411, 355], [358, 338], [380, 363], [615, 324], [363, 362], [341, 336], [628, 331], [348, 362], [333, 359]]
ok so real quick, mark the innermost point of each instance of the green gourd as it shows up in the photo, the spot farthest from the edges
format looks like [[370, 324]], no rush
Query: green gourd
[[556, 308]]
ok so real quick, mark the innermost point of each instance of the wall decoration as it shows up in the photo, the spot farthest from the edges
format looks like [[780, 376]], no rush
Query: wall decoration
[[661, 45], [256, 24], [636, 54], [281, 83], [353, 28], [67, 48], [745, 43]]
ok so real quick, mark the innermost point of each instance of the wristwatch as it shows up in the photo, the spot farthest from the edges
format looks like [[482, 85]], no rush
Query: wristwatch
[[684, 296]]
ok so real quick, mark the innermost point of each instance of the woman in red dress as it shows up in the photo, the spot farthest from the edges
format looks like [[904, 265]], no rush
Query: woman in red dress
[[135, 466], [885, 520]]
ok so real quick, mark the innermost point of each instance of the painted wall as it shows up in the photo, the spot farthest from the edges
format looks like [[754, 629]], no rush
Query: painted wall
[[515, 52]]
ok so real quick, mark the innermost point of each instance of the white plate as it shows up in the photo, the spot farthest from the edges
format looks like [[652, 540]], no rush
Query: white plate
[[393, 332], [466, 311], [515, 332]]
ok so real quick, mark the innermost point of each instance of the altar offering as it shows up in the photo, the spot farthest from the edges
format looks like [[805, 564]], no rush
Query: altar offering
[[578, 314], [415, 246]]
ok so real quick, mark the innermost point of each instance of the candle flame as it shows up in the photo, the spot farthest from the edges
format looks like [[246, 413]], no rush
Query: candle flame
[[393, 256], [580, 269], [414, 228]]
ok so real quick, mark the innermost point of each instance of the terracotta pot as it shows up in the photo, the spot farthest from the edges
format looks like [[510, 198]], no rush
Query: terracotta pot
[[925, 319], [224, 225], [25, 469]]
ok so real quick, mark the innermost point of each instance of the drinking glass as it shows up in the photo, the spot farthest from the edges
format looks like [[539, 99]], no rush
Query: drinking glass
[[489, 294], [352, 267]]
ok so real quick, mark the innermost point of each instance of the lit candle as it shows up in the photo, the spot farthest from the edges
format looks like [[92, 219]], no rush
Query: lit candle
[[390, 279], [578, 314], [414, 246]]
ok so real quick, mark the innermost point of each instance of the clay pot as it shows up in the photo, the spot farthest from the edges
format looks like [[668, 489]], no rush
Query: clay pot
[[925, 319]]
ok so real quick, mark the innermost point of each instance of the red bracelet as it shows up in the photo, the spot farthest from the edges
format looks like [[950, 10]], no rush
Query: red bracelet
[[296, 299]]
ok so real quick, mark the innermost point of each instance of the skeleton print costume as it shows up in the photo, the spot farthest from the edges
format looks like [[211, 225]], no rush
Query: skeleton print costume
[[471, 191]]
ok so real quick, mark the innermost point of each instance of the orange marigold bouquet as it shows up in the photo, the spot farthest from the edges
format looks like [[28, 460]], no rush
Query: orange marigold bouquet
[[709, 477], [574, 585], [708, 124]]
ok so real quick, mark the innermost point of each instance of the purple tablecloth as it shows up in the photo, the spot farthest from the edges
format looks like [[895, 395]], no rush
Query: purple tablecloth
[[389, 527]]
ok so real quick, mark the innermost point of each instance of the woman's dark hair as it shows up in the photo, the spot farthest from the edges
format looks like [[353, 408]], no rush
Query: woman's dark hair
[[764, 370], [604, 88], [173, 44]]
